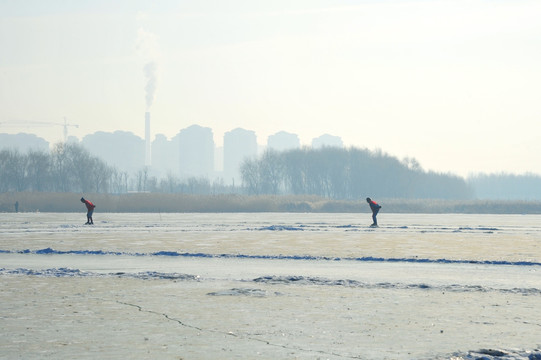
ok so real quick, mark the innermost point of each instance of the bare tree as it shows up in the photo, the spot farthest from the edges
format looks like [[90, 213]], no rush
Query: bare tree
[[271, 171], [250, 176], [39, 171], [61, 168], [12, 170]]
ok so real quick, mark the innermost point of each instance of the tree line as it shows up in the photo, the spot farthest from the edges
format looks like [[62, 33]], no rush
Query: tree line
[[352, 173], [506, 186], [69, 167], [66, 168], [329, 172]]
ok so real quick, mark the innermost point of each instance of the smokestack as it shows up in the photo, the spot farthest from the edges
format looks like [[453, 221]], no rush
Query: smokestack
[[147, 139]]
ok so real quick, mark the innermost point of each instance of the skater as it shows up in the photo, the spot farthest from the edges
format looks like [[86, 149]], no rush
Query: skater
[[90, 207], [374, 206]]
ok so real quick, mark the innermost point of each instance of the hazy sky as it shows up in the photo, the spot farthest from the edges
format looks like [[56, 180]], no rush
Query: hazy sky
[[454, 84]]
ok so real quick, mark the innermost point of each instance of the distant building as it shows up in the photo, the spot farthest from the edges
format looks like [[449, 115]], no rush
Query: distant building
[[121, 149], [282, 141], [219, 159], [196, 152], [72, 140], [164, 156], [23, 142], [327, 140], [239, 144]]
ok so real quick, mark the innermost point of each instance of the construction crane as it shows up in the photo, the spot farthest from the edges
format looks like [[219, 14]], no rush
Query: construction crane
[[39, 123]]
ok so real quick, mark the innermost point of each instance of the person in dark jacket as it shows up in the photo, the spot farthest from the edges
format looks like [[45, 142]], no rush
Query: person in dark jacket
[[90, 210], [374, 206]]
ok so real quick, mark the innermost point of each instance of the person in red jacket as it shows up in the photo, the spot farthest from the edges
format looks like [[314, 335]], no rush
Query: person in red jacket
[[90, 207], [374, 206]]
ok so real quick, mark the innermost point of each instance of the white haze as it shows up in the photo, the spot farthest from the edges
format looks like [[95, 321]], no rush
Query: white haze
[[453, 84]]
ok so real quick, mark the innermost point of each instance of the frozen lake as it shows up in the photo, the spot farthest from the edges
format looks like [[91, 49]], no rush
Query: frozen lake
[[269, 285]]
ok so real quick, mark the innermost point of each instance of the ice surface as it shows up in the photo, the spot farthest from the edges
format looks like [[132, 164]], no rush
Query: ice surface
[[305, 286]]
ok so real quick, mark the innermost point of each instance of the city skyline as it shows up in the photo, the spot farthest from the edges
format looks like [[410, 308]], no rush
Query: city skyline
[[190, 152], [324, 139], [452, 84]]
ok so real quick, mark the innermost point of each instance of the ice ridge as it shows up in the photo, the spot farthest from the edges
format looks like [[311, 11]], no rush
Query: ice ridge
[[49, 251], [294, 280], [67, 272]]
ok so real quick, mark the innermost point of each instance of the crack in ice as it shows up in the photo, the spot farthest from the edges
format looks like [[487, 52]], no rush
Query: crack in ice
[[229, 333]]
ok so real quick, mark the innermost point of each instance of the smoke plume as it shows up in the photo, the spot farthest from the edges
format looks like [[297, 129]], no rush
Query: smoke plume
[[150, 87], [147, 46]]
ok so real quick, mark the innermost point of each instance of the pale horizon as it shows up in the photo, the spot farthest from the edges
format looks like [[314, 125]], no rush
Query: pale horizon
[[453, 84]]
